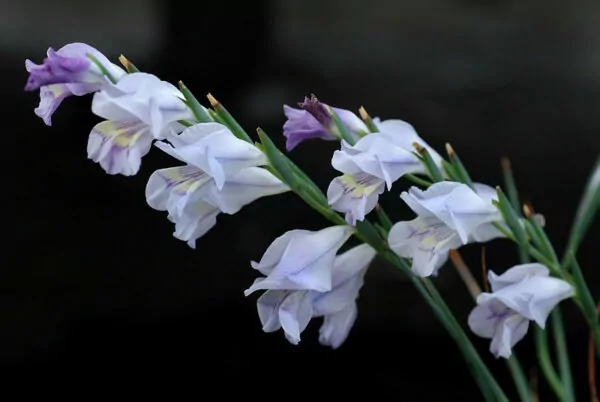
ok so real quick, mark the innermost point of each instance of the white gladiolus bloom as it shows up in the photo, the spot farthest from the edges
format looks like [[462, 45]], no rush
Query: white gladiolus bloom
[[300, 260], [374, 162], [293, 309], [450, 215], [523, 293], [138, 109]]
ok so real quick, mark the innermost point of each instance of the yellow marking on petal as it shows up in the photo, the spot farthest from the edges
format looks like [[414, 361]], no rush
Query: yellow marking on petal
[[358, 188], [57, 90], [121, 134]]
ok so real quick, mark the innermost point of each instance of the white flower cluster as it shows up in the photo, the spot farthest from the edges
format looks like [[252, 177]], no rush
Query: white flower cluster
[[303, 274]]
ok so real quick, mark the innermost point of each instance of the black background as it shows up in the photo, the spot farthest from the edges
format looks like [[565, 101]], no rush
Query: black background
[[94, 282]]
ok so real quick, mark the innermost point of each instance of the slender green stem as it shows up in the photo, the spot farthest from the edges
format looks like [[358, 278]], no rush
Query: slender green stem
[[486, 380], [560, 343], [545, 361], [520, 379]]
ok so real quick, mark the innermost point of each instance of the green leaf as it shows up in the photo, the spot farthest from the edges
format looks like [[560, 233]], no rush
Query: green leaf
[[588, 304], [417, 180], [519, 378], [588, 206], [228, 119], [513, 197], [512, 219], [560, 344], [450, 171], [198, 110], [129, 66], [384, 219], [434, 171], [368, 120], [511, 186], [101, 67], [342, 129], [459, 168], [545, 362]]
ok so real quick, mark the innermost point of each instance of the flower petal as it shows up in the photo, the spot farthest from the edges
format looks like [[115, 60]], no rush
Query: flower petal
[[453, 203], [268, 309], [295, 313], [355, 195], [510, 331], [180, 179], [214, 149], [337, 326], [301, 126], [376, 155], [119, 146], [535, 296], [51, 97], [143, 97], [244, 187], [306, 261], [348, 271], [426, 240], [516, 274]]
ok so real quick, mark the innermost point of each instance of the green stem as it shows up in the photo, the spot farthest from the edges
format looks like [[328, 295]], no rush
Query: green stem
[[545, 361], [560, 343], [418, 180], [519, 378]]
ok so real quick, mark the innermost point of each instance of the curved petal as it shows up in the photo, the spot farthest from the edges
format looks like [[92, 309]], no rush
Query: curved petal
[[301, 126], [219, 153], [244, 187], [268, 309], [164, 181], [302, 259], [455, 204], [510, 331], [144, 97], [337, 326], [403, 135], [516, 274], [295, 313], [426, 240], [119, 146], [275, 251], [354, 195], [535, 297], [51, 96]]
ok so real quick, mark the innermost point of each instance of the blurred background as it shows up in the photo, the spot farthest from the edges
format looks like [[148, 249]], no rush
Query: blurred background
[[94, 282]]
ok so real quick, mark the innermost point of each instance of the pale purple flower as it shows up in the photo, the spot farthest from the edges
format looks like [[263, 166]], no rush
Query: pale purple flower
[[293, 309], [523, 293], [300, 260], [139, 109], [313, 120], [450, 215], [213, 148], [193, 200], [374, 162], [65, 72]]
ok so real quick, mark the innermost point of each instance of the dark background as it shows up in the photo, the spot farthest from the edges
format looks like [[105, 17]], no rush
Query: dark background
[[94, 282]]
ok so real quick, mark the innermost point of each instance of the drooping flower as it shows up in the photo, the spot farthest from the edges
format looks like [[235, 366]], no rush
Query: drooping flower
[[293, 309], [138, 109], [193, 199], [221, 175], [65, 72], [355, 195], [213, 148], [450, 215], [300, 260], [375, 161], [523, 293], [313, 120]]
